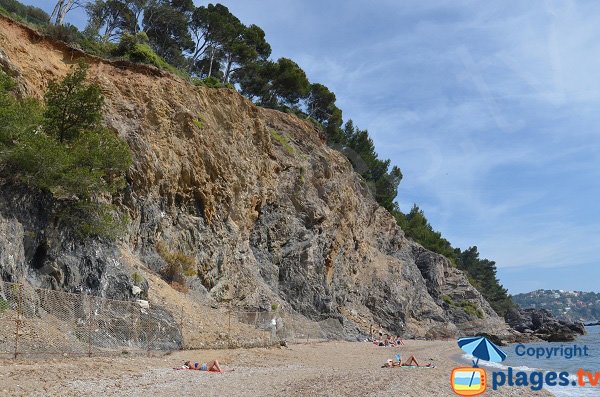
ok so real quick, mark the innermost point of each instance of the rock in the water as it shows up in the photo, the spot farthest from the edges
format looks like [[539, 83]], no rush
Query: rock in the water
[[542, 324]]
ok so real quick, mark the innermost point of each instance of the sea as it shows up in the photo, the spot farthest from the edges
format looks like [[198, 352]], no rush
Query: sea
[[558, 364]]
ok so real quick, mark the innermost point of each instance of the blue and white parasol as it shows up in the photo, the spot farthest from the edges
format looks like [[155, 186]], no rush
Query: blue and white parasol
[[482, 349]]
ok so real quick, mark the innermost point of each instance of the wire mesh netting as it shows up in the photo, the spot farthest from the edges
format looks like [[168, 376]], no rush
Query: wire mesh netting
[[281, 326], [41, 321], [45, 322]]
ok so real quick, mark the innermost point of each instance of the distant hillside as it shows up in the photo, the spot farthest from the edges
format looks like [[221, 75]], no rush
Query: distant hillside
[[575, 305]]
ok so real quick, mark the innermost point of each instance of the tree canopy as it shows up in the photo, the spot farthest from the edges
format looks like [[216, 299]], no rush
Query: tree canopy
[[60, 148], [166, 24], [480, 272], [72, 106]]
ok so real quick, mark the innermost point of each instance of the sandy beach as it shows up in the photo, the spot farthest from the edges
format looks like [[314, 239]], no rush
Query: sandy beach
[[320, 369]]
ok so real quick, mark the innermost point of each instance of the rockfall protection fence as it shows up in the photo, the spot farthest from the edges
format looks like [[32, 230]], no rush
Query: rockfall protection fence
[[281, 326], [42, 322]]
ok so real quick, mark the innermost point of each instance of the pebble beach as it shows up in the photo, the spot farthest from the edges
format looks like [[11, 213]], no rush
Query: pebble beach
[[318, 369]]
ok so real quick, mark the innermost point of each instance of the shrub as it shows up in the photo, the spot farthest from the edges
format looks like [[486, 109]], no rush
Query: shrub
[[33, 15], [136, 48], [199, 122], [137, 278], [212, 82], [448, 300], [178, 266], [66, 33], [88, 218], [128, 41], [471, 309], [142, 53], [19, 116], [97, 48], [4, 306], [283, 141]]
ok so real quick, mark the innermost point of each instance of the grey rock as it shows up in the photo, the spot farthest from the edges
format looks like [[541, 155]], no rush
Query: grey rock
[[267, 223], [542, 324]]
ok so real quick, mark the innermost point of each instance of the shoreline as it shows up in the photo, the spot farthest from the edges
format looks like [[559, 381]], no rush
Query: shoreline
[[322, 369]]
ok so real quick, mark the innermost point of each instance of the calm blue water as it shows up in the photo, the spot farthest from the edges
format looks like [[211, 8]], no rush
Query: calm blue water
[[558, 364], [592, 340]]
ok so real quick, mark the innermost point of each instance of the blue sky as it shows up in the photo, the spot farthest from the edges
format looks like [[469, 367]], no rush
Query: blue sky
[[491, 110]]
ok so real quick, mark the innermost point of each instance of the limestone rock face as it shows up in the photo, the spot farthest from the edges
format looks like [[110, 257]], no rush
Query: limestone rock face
[[271, 214]]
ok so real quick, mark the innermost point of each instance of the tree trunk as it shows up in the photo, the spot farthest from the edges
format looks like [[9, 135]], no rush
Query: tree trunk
[[57, 7], [199, 51], [61, 10], [227, 70], [212, 57]]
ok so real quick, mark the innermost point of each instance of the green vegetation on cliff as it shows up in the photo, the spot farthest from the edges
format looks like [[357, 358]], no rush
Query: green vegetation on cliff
[[481, 273], [417, 227], [60, 148], [27, 14], [213, 47]]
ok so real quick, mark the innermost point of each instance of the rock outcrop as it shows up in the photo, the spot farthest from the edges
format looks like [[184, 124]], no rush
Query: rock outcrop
[[270, 212], [542, 324]]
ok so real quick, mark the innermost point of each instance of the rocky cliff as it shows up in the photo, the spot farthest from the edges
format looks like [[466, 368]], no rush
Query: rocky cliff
[[270, 213]]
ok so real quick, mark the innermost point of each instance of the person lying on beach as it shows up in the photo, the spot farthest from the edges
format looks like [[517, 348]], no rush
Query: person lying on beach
[[384, 341], [209, 366], [411, 362]]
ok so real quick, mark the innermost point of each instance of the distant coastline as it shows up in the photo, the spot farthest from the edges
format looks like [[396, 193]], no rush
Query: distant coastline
[[569, 305]]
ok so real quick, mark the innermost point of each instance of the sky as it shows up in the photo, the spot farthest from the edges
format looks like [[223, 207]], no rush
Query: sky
[[491, 110]]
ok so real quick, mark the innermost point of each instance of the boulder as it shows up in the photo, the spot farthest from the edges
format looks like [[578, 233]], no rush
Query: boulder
[[542, 324], [143, 304]]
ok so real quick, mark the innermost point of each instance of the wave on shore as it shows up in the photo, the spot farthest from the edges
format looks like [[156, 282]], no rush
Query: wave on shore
[[557, 391]]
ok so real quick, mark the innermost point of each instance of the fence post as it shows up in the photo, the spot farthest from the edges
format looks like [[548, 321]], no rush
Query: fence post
[[147, 337], [18, 321], [90, 310], [135, 324], [181, 328]]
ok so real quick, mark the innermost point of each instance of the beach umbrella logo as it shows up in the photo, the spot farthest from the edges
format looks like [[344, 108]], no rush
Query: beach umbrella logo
[[482, 349], [467, 381]]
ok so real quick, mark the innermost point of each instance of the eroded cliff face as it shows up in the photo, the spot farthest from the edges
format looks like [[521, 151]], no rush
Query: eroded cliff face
[[271, 214]]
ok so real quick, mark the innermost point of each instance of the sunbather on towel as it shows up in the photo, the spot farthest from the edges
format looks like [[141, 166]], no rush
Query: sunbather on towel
[[209, 366], [411, 362]]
